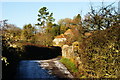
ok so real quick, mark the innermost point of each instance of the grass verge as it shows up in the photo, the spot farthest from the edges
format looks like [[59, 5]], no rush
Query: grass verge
[[70, 65]]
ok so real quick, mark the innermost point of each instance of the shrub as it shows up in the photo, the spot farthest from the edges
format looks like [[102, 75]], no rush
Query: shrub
[[102, 52]]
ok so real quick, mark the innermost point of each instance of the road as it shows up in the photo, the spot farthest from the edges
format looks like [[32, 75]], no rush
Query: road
[[42, 69]]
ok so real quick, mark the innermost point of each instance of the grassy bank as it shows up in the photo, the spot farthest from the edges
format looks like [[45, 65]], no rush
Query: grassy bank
[[70, 65]]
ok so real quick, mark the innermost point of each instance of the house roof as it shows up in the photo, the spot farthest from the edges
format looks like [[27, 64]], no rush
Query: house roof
[[88, 34], [60, 36], [69, 31]]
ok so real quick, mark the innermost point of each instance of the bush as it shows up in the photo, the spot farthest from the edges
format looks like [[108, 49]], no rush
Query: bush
[[102, 52]]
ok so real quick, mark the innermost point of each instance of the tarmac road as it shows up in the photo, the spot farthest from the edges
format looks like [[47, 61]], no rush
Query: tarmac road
[[41, 69]]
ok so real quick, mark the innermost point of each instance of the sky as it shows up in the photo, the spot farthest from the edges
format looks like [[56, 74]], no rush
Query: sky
[[21, 13]]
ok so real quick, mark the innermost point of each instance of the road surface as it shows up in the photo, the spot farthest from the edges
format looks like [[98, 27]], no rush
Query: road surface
[[42, 69]]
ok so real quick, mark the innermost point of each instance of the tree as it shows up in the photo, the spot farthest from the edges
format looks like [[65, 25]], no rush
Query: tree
[[102, 18], [77, 23], [56, 30], [28, 32], [44, 39], [15, 31], [44, 17], [77, 20], [65, 22]]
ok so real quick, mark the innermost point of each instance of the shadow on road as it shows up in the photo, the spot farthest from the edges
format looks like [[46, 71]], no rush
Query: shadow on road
[[41, 53], [31, 52]]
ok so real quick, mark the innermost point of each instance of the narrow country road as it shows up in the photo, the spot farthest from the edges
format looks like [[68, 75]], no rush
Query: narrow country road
[[42, 69]]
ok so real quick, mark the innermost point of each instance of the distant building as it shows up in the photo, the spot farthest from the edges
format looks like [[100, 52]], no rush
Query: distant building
[[68, 32], [59, 40], [88, 34]]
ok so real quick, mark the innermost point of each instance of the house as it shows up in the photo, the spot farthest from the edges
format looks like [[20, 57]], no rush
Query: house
[[59, 40], [88, 34], [68, 32]]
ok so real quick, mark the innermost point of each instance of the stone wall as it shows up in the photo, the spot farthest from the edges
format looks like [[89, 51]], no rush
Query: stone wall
[[71, 52], [67, 51]]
